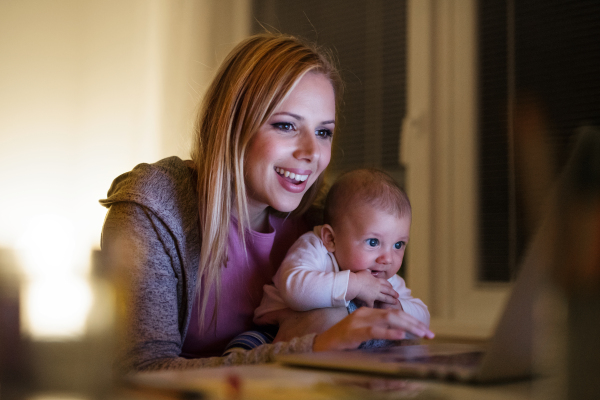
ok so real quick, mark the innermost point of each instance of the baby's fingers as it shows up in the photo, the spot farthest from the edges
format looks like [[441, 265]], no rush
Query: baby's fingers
[[388, 290], [387, 298]]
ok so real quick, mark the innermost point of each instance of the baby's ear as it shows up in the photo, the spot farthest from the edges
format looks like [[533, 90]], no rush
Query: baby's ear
[[328, 238]]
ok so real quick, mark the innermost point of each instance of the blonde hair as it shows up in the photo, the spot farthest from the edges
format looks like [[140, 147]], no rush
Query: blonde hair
[[365, 186], [252, 81]]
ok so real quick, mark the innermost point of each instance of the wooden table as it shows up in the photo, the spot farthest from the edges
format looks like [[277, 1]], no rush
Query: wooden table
[[273, 381]]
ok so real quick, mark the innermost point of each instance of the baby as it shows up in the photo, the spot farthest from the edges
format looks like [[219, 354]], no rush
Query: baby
[[355, 255]]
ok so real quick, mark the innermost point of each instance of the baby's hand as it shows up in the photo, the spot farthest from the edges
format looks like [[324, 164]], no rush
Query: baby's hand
[[364, 286], [388, 306]]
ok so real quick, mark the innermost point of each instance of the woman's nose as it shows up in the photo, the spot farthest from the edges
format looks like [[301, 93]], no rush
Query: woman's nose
[[307, 146]]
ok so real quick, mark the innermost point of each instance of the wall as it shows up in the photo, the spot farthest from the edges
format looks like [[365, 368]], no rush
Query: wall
[[89, 89]]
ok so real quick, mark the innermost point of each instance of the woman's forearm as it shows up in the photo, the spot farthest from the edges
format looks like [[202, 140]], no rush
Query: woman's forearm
[[262, 354], [298, 323]]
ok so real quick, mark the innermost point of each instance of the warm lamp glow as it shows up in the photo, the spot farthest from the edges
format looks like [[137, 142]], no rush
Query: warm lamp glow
[[56, 309], [49, 248], [57, 297]]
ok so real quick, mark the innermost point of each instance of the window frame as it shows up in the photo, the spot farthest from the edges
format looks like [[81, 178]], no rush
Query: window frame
[[439, 151]]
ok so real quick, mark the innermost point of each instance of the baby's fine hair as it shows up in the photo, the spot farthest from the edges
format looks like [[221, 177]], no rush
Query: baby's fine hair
[[365, 186]]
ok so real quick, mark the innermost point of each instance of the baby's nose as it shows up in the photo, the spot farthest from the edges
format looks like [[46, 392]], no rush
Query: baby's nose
[[384, 258]]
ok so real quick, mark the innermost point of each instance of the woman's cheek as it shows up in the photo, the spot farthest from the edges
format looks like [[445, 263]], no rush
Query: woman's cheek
[[326, 155]]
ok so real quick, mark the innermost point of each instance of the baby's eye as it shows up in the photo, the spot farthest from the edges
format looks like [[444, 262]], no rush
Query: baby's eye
[[399, 245], [283, 126], [373, 242], [324, 133]]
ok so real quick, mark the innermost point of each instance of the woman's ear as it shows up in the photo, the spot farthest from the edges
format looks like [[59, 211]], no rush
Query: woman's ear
[[328, 238]]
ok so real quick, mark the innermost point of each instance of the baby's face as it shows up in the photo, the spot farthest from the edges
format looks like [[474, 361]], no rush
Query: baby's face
[[371, 239]]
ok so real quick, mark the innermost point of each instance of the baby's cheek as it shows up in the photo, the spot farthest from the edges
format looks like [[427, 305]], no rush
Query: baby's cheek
[[357, 263], [400, 260]]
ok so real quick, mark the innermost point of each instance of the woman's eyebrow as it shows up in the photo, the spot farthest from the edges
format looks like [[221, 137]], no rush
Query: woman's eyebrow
[[295, 116], [301, 118]]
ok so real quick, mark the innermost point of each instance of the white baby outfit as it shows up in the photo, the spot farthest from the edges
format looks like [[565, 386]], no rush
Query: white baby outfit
[[310, 278]]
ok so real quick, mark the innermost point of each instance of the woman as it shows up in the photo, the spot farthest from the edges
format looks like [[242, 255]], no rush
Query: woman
[[197, 240]]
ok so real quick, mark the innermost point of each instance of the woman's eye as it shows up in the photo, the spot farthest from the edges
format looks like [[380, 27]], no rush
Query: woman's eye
[[373, 242], [399, 245], [324, 133], [283, 126]]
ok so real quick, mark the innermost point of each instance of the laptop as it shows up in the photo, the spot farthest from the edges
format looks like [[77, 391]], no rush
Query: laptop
[[509, 354]]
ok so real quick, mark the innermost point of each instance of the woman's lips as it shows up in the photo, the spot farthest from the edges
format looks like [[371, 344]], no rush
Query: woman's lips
[[290, 185], [293, 180]]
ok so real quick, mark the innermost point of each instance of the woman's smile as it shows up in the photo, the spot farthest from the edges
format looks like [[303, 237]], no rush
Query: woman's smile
[[293, 180], [294, 176]]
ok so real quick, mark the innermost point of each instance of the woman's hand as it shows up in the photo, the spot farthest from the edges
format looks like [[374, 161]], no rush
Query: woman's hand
[[369, 323], [299, 323]]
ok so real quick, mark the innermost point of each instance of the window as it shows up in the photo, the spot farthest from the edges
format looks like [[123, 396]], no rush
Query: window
[[543, 58], [369, 40]]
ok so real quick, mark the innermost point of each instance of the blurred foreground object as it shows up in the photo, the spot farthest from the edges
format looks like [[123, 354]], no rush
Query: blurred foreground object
[[577, 263], [534, 158], [57, 333], [14, 366]]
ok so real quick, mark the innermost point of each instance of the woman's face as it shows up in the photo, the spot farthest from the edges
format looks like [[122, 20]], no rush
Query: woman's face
[[289, 152]]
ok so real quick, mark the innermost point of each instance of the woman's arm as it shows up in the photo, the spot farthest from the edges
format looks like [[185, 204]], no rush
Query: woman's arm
[[336, 330], [140, 260], [370, 323], [299, 323]]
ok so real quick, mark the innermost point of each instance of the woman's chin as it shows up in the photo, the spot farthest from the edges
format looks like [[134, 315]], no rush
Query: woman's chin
[[284, 210], [285, 207]]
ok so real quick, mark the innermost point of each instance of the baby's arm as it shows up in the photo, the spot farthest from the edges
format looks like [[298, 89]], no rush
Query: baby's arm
[[307, 279], [364, 286], [406, 302]]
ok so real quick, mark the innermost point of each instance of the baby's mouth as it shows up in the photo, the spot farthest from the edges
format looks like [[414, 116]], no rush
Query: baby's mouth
[[291, 176], [377, 274]]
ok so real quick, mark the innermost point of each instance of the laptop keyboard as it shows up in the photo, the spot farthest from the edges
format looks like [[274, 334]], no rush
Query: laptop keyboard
[[470, 359]]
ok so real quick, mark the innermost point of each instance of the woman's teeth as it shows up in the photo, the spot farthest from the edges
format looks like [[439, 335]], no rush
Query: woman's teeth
[[291, 175]]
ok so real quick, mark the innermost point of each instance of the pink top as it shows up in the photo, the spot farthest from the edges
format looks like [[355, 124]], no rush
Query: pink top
[[242, 284]]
